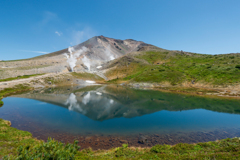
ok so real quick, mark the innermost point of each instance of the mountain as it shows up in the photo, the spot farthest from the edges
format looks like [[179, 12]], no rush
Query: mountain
[[132, 62], [99, 46], [100, 49]]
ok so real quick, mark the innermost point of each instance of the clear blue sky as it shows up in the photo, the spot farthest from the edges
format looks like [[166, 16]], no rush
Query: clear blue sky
[[30, 28]]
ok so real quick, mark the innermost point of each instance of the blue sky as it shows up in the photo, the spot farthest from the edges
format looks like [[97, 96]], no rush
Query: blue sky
[[30, 28]]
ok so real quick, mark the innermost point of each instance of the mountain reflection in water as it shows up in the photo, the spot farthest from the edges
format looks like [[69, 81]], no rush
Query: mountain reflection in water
[[107, 102]]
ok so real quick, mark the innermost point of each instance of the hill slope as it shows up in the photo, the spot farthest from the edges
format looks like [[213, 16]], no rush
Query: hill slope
[[175, 67]]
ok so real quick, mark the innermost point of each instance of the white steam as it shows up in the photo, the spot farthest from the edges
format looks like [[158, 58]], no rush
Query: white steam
[[72, 58], [70, 50], [87, 62]]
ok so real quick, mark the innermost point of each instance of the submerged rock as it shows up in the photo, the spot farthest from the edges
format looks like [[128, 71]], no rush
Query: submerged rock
[[124, 141], [142, 140]]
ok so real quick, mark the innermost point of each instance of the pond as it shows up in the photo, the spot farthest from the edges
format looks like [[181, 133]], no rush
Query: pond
[[110, 115]]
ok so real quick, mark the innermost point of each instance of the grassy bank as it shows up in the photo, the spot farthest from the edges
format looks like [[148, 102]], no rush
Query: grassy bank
[[177, 67], [14, 90], [17, 144]]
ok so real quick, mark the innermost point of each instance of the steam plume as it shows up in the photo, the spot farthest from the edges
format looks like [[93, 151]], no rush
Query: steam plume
[[72, 58], [87, 62]]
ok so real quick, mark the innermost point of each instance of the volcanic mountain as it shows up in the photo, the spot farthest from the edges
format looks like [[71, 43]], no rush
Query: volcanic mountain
[[130, 61], [100, 49]]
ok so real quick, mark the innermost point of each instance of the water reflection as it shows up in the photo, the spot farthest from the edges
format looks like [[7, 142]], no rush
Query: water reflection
[[107, 112], [106, 102]]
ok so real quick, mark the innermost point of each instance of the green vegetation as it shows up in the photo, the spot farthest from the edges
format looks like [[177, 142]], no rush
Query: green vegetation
[[50, 80], [16, 89], [87, 76], [17, 144], [12, 138], [1, 103], [19, 77], [177, 67], [50, 150]]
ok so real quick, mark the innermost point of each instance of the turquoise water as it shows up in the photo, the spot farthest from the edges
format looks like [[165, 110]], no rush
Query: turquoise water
[[112, 110]]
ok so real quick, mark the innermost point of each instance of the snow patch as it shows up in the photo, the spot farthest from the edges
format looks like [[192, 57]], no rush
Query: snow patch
[[98, 67], [91, 82]]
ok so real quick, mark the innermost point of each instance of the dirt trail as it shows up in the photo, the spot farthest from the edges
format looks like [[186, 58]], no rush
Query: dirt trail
[[12, 83]]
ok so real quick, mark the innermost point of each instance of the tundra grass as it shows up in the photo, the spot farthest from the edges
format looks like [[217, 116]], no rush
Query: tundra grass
[[17, 144], [177, 68], [19, 77]]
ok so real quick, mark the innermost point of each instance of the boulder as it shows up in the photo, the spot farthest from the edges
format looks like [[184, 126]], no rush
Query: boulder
[[142, 140]]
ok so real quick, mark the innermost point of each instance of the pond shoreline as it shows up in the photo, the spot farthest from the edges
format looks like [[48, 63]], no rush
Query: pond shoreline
[[103, 140], [204, 91], [74, 79], [14, 138], [142, 140], [110, 144]]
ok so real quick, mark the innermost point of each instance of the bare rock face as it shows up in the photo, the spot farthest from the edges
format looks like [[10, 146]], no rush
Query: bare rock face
[[105, 49]]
